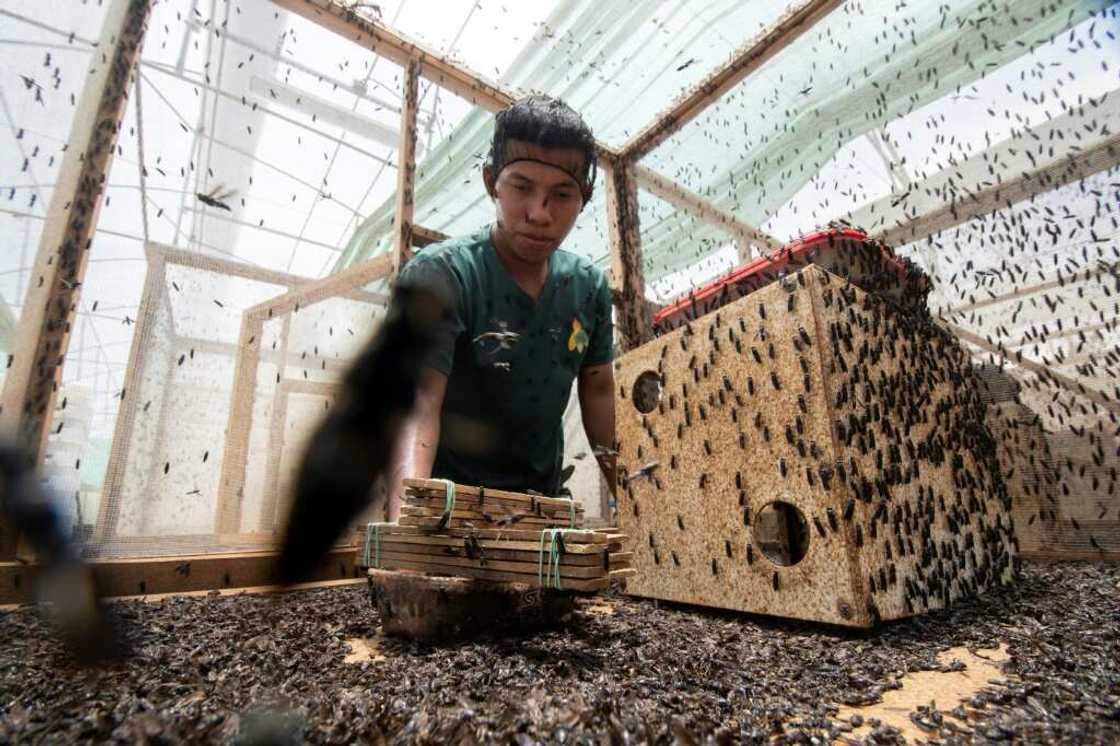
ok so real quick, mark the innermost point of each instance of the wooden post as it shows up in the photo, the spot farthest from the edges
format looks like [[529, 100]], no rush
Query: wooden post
[[43, 334], [626, 276], [406, 167], [235, 456], [279, 419]]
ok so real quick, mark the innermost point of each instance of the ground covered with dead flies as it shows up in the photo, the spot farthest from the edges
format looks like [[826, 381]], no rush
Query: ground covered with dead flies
[[273, 669]]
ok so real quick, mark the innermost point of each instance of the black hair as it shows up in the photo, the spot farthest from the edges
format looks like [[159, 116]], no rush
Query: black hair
[[550, 123]]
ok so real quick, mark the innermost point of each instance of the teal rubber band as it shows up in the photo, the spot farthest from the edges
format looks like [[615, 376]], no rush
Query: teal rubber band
[[373, 545], [449, 500], [550, 574]]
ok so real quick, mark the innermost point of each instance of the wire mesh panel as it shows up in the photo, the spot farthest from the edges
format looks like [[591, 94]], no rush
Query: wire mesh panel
[[163, 474]]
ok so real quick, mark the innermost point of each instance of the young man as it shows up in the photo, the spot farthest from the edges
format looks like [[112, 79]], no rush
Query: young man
[[522, 320]]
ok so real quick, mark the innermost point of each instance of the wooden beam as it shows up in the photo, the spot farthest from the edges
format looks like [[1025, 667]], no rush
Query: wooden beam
[[353, 277], [406, 168], [626, 276], [235, 454], [750, 57], [178, 574], [744, 234], [422, 236], [230, 267], [43, 335], [1075, 167], [1072, 385], [1067, 280], [233, 268], [278, 422], [392, 45], [385, 42]]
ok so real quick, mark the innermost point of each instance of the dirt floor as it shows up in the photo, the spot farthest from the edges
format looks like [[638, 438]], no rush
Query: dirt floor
[[311, 666]]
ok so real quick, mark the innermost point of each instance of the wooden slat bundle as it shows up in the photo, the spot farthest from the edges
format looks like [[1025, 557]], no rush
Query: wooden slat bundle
[[498, 536]]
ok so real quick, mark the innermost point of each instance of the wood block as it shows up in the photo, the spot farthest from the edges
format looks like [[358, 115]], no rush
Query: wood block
[[586, 536], [809, 451], [429, 608], [455, 538], [603, 558], [435, 487]]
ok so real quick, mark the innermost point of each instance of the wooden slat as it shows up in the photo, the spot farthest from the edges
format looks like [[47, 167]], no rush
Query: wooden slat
[[435, 488], [422, 236], [398, 544], [310, 388], [525, 524], [43, 334], [388, 557], [744, 234], [598, 584], [454, 538], [278, 420], [1101, 157], [634, 325], [355, 276], [512, 534], [387, 43], [751, 56], [228, 267], [1064, 382], [486, 512], [142, 576], [392, 45], [494, 507], [235, 454], [406, 167], [1067, 280]]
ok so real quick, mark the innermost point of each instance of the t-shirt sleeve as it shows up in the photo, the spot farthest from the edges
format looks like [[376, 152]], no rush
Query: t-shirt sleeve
[[600, 348], [433, 275]]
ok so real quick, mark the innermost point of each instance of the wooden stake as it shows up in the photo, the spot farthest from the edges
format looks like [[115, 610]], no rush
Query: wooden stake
[[626, 276], [235, 455], [406, 167]]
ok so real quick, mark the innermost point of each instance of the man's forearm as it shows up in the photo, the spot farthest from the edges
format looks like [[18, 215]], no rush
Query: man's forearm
[[413, 458], [599, 424]]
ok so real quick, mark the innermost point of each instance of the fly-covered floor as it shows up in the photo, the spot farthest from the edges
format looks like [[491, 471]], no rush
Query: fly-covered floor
[[310, 666]]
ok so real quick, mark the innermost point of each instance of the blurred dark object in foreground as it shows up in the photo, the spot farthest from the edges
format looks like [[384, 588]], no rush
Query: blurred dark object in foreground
[[353, 445], [64, 583]]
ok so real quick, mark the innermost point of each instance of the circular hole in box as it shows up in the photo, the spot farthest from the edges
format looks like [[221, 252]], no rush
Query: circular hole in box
[[782, 533], [646, 392]]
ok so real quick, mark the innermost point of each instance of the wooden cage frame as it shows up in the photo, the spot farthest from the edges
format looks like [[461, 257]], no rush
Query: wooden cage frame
[[44, 330]]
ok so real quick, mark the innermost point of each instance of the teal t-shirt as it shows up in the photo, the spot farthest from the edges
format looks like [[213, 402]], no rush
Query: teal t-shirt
[[510, 360]]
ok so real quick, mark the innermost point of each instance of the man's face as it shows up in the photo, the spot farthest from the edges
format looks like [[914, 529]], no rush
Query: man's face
[[537, 203]]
